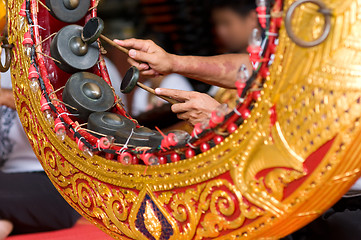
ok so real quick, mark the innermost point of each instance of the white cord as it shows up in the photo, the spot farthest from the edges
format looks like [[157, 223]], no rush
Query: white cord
[[125, 147]]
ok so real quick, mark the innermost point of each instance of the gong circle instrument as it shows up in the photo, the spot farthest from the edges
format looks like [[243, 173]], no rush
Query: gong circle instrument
[[285, 154]]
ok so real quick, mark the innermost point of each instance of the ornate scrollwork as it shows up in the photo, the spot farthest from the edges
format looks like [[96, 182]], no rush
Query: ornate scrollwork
[[254, 184]]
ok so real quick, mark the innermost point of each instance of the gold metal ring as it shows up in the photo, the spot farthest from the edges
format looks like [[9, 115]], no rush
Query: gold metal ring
[[326, 30]]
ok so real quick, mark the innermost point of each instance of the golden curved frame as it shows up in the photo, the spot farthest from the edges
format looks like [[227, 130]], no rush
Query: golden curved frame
[[264, 181]]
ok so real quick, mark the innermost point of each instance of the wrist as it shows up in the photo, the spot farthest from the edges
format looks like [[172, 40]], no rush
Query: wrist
[[175, 61]]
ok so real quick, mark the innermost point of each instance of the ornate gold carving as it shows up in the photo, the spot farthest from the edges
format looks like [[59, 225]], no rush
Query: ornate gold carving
[[235, 190]]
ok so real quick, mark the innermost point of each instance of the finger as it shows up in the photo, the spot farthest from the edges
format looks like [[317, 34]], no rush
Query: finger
[[179, 95], [183, 116], [181, 107], [150, 72], [140, 66], [143, 67], [134, 63], [134, 43], [142, 56], [194, 121]]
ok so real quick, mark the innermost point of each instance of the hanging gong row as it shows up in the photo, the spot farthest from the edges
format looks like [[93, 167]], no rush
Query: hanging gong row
[[90, 98]]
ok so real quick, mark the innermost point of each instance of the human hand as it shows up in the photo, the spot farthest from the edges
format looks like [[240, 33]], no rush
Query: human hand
[[195, 108], [148, 57]]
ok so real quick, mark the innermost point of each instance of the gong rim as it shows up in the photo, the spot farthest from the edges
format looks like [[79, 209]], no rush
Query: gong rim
[[130, 80], [92, 32]]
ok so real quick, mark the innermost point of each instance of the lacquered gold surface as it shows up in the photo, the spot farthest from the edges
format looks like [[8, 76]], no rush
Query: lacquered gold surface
[[221, 193], [3, 10]]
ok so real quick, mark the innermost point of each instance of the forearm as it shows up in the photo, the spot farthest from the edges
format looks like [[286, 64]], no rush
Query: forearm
[[218, 70], [7, 98]]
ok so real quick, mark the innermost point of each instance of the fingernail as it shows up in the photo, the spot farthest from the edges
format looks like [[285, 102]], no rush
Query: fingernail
[[158, 91], [118, 41], [132, 53]]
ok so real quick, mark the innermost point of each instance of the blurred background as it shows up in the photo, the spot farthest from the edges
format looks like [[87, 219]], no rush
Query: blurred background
[[179, 26]]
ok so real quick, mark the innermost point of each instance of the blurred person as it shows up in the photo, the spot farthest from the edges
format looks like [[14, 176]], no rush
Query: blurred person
[[234, 21], [28, 201]]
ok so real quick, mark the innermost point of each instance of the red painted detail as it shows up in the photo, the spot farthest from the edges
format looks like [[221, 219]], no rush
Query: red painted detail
[[273, 115], [309, 165]]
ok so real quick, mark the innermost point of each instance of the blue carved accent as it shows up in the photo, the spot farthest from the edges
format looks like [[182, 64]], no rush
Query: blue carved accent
[[167, 229]]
